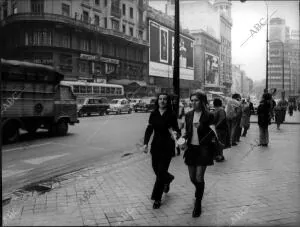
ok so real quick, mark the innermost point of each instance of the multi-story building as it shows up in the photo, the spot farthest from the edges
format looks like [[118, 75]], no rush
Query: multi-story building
[[283, 58], [224, 9], [161, 55], [240, 82], [213, 17], [90, 40], [207, 67]]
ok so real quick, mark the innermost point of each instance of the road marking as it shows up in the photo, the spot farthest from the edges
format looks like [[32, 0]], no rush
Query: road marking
[[26, 147], [37, 161], [77, 146], [9, 173]]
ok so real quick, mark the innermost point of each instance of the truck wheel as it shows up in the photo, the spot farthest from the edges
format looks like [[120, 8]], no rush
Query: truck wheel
[[11, 132], [62, 128]]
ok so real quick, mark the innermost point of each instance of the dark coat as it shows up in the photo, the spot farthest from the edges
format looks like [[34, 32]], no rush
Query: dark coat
[[162, 143], [205, 133], [264, 114]]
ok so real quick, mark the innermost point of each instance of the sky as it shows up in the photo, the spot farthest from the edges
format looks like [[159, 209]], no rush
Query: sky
[[251, 55]]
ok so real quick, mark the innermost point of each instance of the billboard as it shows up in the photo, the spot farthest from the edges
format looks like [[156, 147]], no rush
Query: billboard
[[212, 69], [161, 53]]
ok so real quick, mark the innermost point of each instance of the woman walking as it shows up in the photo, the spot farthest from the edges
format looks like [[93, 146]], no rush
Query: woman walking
[[199, 136], [264, 119], [245, 121], [163, 122]]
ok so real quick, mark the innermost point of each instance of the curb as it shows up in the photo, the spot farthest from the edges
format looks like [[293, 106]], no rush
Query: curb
[[284, 123]]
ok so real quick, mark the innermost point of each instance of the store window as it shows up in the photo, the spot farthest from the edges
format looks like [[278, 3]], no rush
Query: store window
[[37, 6], [105, 22], [124, 28], [14, 8]]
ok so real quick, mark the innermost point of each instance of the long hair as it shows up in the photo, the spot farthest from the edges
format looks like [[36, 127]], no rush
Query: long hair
[[169, 102], [203, 100]]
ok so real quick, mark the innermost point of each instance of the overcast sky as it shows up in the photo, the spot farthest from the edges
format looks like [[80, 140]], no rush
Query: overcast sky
[[252, 54]]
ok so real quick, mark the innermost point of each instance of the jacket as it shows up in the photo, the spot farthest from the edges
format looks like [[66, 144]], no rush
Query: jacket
[[162, 143], [205, 133]]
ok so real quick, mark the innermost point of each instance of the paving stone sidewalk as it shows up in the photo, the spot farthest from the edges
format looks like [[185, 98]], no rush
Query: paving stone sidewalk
[[254, 186]]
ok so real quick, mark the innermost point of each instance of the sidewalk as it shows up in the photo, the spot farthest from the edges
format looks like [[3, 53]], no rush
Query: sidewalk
[[254, 186], [295, 119]]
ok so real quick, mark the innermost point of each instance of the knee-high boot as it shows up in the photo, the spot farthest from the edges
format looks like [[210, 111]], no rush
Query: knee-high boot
[[199, 195]]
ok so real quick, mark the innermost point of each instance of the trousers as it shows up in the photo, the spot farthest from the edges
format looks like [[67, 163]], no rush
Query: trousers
[[160, 165]]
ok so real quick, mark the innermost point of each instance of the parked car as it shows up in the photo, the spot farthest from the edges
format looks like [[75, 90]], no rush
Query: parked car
[[118, 106], [145, 105], [92, 105], [133, 102]]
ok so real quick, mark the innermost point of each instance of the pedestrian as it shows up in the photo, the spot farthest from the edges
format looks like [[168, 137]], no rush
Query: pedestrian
[[252, 111], [221, 127], [163, 123], [291, 109], [232, 117], [280, 111], [245, 120], [198, 136], [264, 118], [180, 117]]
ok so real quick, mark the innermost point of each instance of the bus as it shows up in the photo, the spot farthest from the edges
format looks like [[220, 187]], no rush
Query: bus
[[88, 89], [31, 98]]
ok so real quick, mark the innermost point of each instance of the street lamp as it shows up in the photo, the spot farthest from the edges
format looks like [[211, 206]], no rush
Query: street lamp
[[282, 44], [267, 48]]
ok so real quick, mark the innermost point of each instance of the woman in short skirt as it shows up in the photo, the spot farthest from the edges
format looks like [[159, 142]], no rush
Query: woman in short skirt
[[199, 136]]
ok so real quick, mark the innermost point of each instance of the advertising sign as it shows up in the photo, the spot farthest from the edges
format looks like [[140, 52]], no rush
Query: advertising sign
[[212, 74], [161, 53]]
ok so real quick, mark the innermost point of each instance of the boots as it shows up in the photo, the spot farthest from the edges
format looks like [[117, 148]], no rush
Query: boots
[[198, 194]]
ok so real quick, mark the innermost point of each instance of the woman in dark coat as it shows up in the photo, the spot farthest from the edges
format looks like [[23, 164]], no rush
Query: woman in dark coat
[[221, 128], [163, 122], [264, 118], [199, 136]]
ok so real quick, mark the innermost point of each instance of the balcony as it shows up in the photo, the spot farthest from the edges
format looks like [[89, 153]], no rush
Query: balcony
[[57, 18]]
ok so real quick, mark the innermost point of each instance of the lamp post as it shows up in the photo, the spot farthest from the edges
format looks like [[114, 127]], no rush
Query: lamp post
[[176, 71], [267, 49], [282, 44]]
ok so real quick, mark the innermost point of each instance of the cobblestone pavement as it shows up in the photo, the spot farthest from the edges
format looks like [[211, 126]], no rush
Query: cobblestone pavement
[[254, 186]]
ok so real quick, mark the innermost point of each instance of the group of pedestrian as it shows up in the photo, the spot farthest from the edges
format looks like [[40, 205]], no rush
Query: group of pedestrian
[[205, 133]]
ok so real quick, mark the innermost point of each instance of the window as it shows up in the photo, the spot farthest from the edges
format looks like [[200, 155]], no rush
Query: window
[[82, 67], [102, 90], [105, 22], [97, 2], [66, 41], [131, 12], [65, 9], [85, 16], [89, 89], [124, 28], [82, 89], [115, 25], [140, 34], [41, 37], [131, 31], [124, 9], [107, 90], [96, 90], [37, 6], [84, 45], [65, 62], [105, 2], [96, 20]]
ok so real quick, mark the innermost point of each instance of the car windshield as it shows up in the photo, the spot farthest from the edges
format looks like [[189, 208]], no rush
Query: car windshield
[[114, 101]]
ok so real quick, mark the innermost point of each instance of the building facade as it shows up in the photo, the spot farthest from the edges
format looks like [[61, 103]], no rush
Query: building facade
[[161, 54], [283, 58], [224, 9], [240, 82], [207, 67], [88, 40]]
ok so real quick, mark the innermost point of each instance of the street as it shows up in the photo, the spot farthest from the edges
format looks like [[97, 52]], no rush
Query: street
[[254, 186], [97, 139]]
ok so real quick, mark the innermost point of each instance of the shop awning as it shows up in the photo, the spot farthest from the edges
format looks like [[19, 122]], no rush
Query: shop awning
[[128, 82]]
